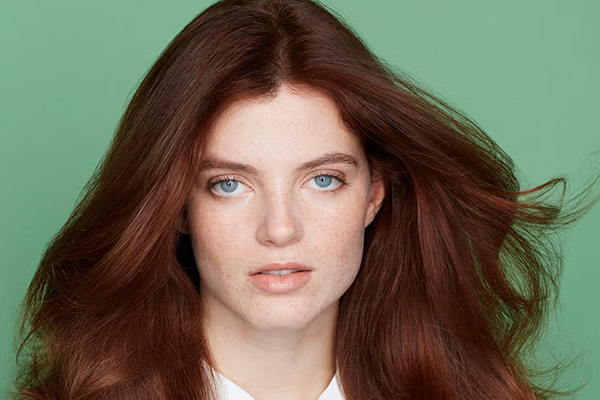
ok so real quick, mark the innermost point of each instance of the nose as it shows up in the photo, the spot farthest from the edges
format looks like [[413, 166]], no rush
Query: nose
[[279, 225]]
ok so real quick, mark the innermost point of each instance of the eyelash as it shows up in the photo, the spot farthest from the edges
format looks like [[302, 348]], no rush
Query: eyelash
[[237, 179]]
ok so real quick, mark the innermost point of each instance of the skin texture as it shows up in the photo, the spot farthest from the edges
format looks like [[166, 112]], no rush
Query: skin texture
[[279, 346]]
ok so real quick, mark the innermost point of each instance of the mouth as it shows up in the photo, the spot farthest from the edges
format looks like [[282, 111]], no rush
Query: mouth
[[280, 269], [276, 279], [279, 272]]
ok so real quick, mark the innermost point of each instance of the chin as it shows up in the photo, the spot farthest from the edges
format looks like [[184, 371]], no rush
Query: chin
[[291, 315]]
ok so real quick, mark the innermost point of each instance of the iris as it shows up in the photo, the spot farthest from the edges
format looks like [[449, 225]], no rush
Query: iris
[[228, 186], [323, 180]]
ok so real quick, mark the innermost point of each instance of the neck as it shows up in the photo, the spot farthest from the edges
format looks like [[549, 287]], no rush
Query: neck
[[280, 363]]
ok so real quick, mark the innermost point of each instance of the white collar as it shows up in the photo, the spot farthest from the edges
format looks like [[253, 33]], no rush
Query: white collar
[[231, 391]]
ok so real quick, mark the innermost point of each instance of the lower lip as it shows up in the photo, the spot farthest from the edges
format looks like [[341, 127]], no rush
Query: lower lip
[[280, 284]]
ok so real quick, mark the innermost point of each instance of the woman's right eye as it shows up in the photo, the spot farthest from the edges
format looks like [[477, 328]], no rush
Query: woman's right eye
[[227, 187]]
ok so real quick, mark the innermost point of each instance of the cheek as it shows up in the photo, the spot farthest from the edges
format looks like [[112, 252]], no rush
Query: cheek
[[339, 244], [214, 237], [214, 225]]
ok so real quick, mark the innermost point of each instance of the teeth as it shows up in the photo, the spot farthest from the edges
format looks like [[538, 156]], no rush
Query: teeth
[[280, 272]]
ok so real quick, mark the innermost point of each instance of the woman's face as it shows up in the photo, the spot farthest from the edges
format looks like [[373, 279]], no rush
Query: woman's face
[[281, 182]]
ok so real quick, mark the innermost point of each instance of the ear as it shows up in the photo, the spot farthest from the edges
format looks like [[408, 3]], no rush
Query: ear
[[376, 196], [181, 223]]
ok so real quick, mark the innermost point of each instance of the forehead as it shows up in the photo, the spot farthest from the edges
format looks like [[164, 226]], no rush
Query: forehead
[[288, 128]]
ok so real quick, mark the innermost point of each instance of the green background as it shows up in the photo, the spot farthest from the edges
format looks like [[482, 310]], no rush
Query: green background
[[526, 71]]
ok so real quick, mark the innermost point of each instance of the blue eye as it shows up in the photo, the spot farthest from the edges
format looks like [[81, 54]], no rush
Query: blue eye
[[323, 180], [228, 186], [327, 182]]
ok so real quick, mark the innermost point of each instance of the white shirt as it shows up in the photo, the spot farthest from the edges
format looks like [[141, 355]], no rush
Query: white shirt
[[231, 391]]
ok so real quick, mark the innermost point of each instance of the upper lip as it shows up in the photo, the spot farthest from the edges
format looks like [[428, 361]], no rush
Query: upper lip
[[281, 266]]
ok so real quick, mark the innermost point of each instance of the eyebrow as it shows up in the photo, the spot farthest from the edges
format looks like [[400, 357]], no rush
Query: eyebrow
[[328, 158]]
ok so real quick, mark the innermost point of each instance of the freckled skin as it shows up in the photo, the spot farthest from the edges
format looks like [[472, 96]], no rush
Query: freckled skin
[[278, 216]]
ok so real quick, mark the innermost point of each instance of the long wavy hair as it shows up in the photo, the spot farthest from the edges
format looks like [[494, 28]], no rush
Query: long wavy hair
[[459, 269]]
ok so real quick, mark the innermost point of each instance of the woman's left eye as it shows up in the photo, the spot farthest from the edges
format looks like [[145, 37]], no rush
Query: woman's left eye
[[325, 182]]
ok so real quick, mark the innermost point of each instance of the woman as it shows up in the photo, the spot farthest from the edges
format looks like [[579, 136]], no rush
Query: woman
[[276, 222], [268, 138]]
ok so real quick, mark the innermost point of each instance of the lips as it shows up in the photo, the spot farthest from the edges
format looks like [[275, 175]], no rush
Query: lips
[[281, 266]]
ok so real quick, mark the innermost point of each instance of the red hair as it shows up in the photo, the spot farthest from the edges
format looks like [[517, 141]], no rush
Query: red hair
[[459, 266]]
